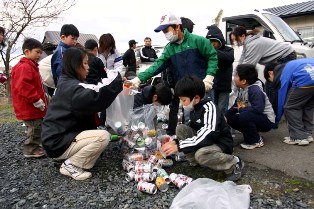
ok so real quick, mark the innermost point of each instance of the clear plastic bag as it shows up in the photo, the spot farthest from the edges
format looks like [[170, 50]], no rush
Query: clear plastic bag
[[205, 193], [145, 114], [120, 108]]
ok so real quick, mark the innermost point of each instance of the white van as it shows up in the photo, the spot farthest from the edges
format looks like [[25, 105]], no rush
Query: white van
[[273, 27]]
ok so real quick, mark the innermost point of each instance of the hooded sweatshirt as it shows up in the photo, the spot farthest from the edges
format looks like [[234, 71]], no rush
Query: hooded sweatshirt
[[225, 54], [258, 49], [256, 101]]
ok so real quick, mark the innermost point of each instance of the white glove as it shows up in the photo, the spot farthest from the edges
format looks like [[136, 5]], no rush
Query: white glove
[[208, 81], [135, 82], [40, 104]]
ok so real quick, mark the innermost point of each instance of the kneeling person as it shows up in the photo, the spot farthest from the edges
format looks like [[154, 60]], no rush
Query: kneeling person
[[207, 140]]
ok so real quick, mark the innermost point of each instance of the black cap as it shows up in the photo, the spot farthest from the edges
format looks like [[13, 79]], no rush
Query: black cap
[[131, 42]]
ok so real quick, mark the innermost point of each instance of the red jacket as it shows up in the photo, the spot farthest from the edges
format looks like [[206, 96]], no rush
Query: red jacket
[[26, 89]]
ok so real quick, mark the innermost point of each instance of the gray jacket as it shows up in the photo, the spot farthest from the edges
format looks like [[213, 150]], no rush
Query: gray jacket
[[258, 49]]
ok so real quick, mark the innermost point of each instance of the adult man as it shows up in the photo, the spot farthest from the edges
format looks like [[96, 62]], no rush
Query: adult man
[[129, 59], [188, 54], [147, 53]]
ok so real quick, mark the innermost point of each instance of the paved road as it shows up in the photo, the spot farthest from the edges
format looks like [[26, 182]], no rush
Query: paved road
[[294, 160]]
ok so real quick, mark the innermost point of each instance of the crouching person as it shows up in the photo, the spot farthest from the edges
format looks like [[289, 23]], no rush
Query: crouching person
[[207, 140], [294, 97], [69, 129]]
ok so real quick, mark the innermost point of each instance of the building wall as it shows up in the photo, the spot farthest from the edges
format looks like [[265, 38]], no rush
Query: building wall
[[300, 22]]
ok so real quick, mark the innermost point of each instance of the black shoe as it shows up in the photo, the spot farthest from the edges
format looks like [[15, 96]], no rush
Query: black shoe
[[237, 171]]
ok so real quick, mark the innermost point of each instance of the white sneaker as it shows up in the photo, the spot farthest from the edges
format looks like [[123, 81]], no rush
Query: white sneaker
[[253, 146], [300, 142], [309, 138], [75, 172]]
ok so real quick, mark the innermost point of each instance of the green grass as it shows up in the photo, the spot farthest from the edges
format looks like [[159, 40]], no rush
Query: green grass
[[7, 114]]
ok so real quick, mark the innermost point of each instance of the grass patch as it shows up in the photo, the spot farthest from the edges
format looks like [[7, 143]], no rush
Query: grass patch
[[7, 114]]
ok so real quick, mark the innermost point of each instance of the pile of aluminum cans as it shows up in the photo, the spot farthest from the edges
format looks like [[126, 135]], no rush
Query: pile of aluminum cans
[[144, 160]]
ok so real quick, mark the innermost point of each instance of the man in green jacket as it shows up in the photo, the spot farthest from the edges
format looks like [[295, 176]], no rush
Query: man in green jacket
[[186, 53]]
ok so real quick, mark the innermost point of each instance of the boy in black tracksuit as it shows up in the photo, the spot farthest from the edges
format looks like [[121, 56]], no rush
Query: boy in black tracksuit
[[207, 140], [222, 82]]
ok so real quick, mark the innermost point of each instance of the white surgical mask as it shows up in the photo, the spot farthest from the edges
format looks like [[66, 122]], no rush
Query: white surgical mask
[[190, 107], [170, 37]]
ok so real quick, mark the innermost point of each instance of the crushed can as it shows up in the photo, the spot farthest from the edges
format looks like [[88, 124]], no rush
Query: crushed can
[[130, 176], [185, 178], [143, 177], [177, 180], [127, 166], [135, 157], [147, 187], [165, 163], [162, 173], [119, 128], [128, 142], [153, 159], [143, 167], [162, 184]]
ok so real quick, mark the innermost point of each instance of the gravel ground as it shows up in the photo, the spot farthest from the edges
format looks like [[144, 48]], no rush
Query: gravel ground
[[37, 183]]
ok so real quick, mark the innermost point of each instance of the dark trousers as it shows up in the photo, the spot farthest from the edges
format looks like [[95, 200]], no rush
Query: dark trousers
[[173, 116], [249, 123]]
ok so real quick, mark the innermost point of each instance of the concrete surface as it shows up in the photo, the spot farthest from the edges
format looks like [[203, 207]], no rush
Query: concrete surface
[[293, 160]]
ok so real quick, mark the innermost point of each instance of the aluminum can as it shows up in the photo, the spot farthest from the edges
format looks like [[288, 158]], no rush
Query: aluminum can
[[130, 176], [141, 126], [153, 159], [119, 128], [177, 180], [165, 163], [140, 142], [135, 157], [185, 178], [143, 177], [147, 187], [143, 167], [162, 184], [162, 173], [127, 166]]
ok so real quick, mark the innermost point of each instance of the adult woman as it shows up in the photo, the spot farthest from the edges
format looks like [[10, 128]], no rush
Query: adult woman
[[68, 128]]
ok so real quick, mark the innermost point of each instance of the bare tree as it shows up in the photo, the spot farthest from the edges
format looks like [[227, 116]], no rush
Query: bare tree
[[18, 16]]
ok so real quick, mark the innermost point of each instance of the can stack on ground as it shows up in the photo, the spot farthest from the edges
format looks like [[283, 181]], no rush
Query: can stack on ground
[[144, 160]]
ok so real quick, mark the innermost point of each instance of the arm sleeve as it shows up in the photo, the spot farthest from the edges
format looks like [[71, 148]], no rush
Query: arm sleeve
[[118, 62], [257, 99], [143, 57], [95, 98], [28, 90], [251, 54], [209, 52], [206, 135]]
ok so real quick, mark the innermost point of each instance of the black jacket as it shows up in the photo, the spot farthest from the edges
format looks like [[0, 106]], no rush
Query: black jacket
[[145, 97], [129, 60], [211, 129], [148, 54], [96, 70], [72, 110], [225, 54]]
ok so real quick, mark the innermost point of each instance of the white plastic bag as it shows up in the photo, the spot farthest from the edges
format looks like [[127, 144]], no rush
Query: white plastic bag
[[205, 193], [145, 114], [120, 108]]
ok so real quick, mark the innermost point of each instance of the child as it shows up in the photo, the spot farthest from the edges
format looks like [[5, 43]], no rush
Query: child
[[69, 128], [69, 35], [28, 96], [294, 94], [223, 77], [252, 112], [96, 66], [207, 139], [158, 95]]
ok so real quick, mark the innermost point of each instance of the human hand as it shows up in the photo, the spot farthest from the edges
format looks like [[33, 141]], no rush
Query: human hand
[[135, 82], [208, 81], [40, 104], [170, 148]]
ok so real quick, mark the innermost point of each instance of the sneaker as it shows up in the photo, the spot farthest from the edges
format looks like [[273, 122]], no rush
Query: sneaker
[[253, 146], [39, 152], [300, 142], [309, 138], [237, 171], [75, 172]]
